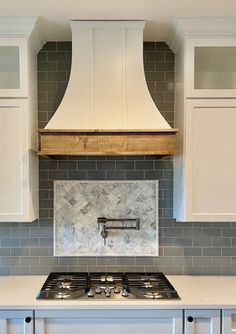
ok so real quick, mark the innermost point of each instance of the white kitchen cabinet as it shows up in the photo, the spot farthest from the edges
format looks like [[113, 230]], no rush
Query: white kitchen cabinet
[[202, 322], [108, 321], [210, 67], [205, 105], [20, 40], [16, 322], [229, 321], [206, 190], [19, 163], [13, 67]]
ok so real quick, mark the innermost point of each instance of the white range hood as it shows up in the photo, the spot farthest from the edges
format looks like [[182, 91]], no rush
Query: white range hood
[[107, 96]]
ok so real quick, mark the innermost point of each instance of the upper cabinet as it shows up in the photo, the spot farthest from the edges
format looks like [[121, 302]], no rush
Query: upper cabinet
[[210, 67], [205, 106], [20, 41], [13, 67]]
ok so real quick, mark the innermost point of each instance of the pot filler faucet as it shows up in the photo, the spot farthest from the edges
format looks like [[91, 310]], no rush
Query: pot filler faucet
[[105, 228]]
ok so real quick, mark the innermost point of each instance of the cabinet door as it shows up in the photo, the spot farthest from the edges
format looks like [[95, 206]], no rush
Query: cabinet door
[[16, 322], [108, 321], [228, 321], [202, 322], [210, 67], [210, 161], [15, 151], [13, 67]]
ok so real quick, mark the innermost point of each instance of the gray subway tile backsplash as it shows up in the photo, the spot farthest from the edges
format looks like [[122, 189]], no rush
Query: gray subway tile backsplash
[[185, 248]]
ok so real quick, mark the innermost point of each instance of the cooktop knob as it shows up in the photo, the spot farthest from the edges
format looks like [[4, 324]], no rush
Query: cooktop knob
[[90, 293], [98, 290], [117, 289], [124, 293], [107, 292]]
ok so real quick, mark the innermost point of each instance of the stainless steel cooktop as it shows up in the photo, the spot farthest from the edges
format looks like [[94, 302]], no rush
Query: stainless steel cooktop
[[100, 286]]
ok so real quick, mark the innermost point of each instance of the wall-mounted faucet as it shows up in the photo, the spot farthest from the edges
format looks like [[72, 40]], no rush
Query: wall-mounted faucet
[[105, 228]]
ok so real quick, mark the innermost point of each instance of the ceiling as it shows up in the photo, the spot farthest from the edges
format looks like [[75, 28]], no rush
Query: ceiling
[[158, 14]]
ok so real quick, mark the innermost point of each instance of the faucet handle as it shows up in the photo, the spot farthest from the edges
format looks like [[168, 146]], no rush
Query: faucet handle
[[101, 220], [104, 233]]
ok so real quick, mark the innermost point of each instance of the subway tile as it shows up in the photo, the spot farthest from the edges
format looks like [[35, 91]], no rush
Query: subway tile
[[39, 251], [222, 261], [192, 270], [96, 175], [216, 270], [29, 261], [222, 242], [124, 165], [211, 251], [229, 232], [41, 232], [202, 242], [183, 260], [10, 242], [49, 46], [154, 56], [47, 66], [64, 46], [162, 46], [228, 251], [106, 165], [153, 174], [20, 232], [106, 261], [144, 261], [42, 56], [202, 261], [183, 242], [67, 261], [134, 175], [155, 76], [56, 76], [46, 242], [5, 271], [76, 175], [87, 261], [57, 175], [169, 56], [149, 66], [128, 261], [173, 251], [87, 165], [147, 165], [149, 46], [192, 251], [48, 261], [56, 56], [67, 165], [17, 251], [20, 271], [115, 175], [9, 261]]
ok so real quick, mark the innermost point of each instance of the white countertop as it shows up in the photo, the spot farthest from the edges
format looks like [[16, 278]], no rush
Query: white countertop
[[205, 292]]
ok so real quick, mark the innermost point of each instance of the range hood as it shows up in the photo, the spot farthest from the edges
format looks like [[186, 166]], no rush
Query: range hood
[[107, 108]]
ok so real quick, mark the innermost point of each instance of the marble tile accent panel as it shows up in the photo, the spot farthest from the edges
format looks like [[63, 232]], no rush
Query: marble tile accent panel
[[78, 204]]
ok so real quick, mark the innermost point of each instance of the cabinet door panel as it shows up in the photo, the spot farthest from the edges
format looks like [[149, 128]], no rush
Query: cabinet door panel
[[14, 160], [229, 322], [202, 322], [107, 322], [211, 160], [13, 67], [13, 322]]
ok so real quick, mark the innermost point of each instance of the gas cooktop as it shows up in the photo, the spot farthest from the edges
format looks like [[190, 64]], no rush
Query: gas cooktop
[[100, 286]]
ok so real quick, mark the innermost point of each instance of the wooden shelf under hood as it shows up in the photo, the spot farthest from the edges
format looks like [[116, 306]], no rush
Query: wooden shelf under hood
[[107, 142]]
